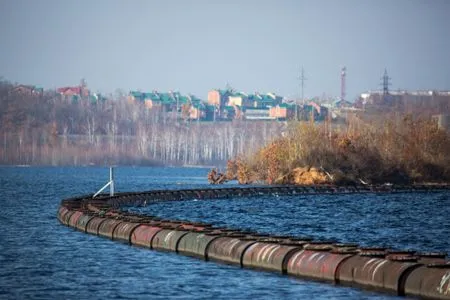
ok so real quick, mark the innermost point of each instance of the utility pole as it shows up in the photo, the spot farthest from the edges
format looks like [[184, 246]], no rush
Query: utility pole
[[302, 81]]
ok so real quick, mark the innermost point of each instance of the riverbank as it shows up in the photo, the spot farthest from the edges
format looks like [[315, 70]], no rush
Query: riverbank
[[398, 151]]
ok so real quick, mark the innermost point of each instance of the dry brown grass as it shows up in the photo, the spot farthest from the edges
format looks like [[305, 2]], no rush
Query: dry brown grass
[[401, 150]]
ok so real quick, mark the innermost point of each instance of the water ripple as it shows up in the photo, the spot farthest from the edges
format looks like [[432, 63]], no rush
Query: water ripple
[[41, 259]]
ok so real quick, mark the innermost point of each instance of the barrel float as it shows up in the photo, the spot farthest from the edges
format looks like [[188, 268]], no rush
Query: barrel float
[[83, 221], [74, 219], [106, 229], [320, 265], [432, 281], [225, 230], [348, 268], [229, 249], [402, 272], [123, 231], [270, 239], [195, 226], [94, 224], [66, 217], [143, 235], [61, 212], [319, 245], [346, 246], [400, 254], [379, 252], [167, 239], [268, 256], [376, 272], [432, 258], [169, 224], [196, 243]]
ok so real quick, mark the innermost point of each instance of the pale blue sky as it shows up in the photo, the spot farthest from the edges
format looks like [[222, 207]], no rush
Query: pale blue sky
[[255, 45]]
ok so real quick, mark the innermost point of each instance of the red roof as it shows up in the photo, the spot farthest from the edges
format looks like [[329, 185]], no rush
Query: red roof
[[70, 90], [315, 105]]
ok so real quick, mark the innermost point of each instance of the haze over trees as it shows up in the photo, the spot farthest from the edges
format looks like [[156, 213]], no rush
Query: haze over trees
[[374, 144], [43, 128]]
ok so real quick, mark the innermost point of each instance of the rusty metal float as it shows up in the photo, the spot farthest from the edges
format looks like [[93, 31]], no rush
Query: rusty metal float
[[400, 272]]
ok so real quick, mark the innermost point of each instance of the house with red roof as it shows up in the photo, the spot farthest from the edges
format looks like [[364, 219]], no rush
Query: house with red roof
[[74, 92]]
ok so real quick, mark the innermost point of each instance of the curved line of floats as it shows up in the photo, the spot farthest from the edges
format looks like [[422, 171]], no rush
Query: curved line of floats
[[424, 275]]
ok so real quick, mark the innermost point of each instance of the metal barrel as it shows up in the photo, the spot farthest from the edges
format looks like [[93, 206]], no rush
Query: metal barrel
[[399, 254], [123, 231], [379, 252], [320, 265], [67, 216], [268, 256], [225, 231], [295, 243], [375, 272], [83, 221], [306, 239], [197, 226], [167, 239], [61, 212], [143, 235], [432, 281], [272, 239], [106, 229], [229, 249], [373, 250], [432, 257], [72, 222], [402, 272], [319, 246], [170, 223], [345, 246], [94, 224], [196, 243]]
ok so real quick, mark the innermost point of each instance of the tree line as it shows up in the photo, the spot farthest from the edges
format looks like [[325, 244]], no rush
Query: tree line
[[45, 128]]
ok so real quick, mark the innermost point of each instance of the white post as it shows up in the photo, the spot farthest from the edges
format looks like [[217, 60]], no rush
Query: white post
[[110, 183], [111, 180]]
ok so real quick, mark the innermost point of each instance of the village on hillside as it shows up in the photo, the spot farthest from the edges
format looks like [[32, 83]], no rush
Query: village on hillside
[[75, 125], [228, 104]]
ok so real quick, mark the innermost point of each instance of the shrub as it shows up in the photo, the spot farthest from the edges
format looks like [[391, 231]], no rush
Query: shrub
[[401, 150]]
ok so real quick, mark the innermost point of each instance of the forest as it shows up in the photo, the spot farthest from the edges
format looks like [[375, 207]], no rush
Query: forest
[[385, 143], [43, 128]]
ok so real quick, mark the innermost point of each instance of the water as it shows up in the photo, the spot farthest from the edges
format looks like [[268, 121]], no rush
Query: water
[[41, 259], [398, 221]]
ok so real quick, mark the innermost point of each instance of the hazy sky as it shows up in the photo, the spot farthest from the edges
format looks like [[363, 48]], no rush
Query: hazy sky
[[194, 46]]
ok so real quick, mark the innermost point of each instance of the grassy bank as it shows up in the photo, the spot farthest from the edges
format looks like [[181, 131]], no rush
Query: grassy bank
[[401, 150]]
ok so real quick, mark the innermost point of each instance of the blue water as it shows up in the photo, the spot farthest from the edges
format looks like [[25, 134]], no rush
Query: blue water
[[398, 221], [41, 259]]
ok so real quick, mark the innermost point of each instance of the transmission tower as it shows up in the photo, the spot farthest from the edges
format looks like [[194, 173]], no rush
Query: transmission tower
[[385, 82], [302, 84]]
